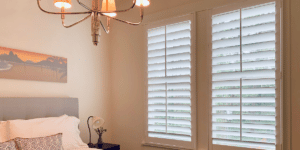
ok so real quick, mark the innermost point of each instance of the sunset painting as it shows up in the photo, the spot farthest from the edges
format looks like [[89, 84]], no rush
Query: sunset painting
[[23, 65]]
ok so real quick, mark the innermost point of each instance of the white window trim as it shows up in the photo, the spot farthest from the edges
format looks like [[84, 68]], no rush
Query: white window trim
[[279, 91], [174, 144]]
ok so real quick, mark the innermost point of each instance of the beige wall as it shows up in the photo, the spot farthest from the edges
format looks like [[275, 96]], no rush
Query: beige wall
[[109, 79], [23, 26], [129, 66]]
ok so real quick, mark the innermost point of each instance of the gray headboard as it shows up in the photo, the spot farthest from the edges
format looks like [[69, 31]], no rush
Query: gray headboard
[[30, 108]]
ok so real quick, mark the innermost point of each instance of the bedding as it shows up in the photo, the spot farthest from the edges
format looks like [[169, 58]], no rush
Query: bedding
[[42, 127], [53, 142], [3, 131], [83, 148], [9, 145]]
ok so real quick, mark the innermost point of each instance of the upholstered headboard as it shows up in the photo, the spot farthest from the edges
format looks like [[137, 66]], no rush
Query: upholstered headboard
[[30, 108]]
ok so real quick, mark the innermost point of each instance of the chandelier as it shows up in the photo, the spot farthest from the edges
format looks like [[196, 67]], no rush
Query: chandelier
[[107, 10]]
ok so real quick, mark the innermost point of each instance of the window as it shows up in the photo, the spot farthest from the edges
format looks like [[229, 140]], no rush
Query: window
[[245, 78], [171, 100]]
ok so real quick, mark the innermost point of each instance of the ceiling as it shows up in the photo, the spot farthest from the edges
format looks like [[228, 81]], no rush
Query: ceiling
[[159, 5], [156, 5]]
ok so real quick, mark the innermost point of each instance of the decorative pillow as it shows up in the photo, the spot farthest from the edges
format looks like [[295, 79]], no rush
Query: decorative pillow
[[3, 131], [53, 142], [9, 145], [42, 127]]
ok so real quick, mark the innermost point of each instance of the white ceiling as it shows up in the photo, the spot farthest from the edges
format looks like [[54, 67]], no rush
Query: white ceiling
[[159, 5], [156, 5]]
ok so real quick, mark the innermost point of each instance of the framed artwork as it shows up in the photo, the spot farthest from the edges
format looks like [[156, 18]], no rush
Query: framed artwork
[[23, 65]]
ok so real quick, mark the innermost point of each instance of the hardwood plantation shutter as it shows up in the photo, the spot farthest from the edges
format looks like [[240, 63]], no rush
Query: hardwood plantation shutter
[[244, 77], [169, 82]]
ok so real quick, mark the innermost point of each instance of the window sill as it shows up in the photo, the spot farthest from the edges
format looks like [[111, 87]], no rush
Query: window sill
[[164, 146]]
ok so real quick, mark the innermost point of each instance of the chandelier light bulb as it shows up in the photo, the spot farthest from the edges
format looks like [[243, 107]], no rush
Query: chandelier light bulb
[[110, 14], [109, 5], [143, 3], [63, 3]]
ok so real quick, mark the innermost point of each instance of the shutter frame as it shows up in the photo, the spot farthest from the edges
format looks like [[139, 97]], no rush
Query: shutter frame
[[175, 143], [277, 65]]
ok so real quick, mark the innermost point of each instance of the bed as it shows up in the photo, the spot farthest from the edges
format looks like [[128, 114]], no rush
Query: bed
[[20, 112]]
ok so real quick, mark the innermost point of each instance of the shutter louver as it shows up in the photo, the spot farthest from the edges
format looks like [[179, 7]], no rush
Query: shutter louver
[[243, 77], [169, 82]]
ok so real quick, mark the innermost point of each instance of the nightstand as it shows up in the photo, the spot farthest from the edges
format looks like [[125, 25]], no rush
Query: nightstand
[[106, 146]]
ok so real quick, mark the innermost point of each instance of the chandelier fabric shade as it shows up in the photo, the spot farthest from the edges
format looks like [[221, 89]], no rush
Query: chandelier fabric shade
[[63, 3], [109, 5], [142, 3]]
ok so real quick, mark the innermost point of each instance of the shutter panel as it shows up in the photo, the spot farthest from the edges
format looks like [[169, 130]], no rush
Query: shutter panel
[[169, 82], [156, 80], [243, 80]]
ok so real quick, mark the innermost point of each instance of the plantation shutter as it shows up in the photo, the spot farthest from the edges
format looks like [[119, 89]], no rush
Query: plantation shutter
[[169, 82], [244, 77]]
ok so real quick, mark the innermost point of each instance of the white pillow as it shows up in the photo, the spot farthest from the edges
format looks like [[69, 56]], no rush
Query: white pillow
[[4, 136], [41, 127]]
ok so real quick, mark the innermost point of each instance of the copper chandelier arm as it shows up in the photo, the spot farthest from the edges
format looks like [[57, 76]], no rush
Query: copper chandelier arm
[[107, 31], [133, 5], [128, 22], [69, 26], [83, 5], [108, 24], [59, 13]]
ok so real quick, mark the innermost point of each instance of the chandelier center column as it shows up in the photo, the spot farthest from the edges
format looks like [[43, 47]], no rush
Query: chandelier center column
[[95, 27]]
